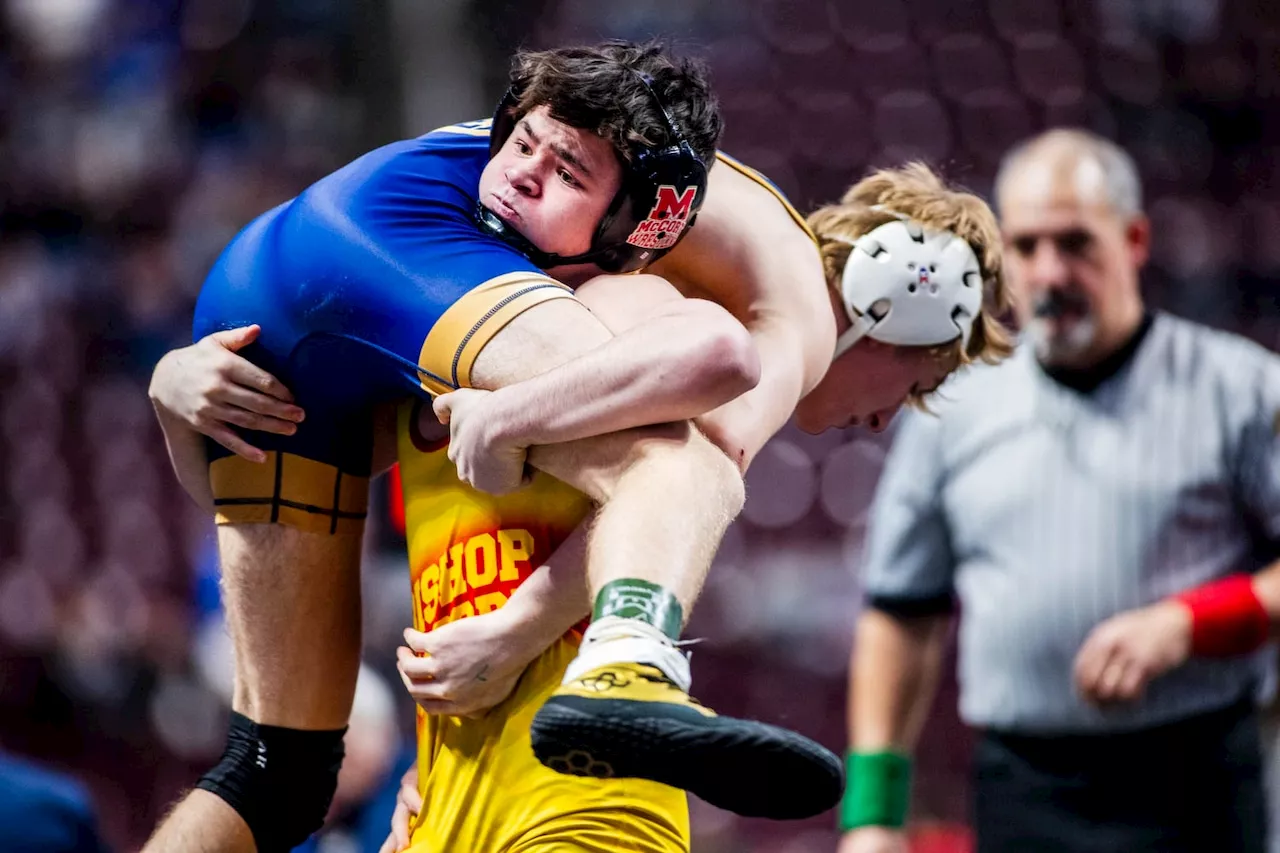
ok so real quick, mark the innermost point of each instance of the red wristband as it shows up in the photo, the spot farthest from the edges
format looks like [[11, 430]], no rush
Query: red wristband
[[1227, 619]]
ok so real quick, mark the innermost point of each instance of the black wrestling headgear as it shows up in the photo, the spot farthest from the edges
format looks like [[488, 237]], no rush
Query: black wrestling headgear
[[661, 193]]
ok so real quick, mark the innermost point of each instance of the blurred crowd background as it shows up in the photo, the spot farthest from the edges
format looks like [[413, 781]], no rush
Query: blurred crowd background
[[137, 136]]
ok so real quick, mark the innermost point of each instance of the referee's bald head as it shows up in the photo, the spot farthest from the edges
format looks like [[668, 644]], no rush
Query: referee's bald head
[[1075, 236], [1100, 169]]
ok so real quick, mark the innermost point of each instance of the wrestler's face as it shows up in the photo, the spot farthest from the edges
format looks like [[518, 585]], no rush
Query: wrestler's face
[[868, 384], [552, 183]]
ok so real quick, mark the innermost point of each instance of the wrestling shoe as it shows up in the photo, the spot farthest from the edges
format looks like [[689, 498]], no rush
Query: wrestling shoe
[[631, 720]]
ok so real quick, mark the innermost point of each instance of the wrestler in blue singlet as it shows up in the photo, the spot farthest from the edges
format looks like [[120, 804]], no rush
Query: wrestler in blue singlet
[[373, 284]]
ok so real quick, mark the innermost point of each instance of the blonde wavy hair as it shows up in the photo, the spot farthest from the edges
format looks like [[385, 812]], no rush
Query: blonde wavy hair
[[915, 191]]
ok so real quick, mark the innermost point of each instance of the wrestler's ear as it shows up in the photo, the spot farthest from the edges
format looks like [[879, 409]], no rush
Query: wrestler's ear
[[237, 339]]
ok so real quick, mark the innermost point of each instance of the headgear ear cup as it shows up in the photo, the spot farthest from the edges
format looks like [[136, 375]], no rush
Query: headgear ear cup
[[661, 192], [907, 286]]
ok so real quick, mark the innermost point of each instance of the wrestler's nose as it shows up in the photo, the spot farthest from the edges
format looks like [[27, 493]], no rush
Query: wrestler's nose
[[523, 178]]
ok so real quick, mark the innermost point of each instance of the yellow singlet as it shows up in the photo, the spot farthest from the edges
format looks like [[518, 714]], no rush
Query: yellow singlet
[[483, 790]]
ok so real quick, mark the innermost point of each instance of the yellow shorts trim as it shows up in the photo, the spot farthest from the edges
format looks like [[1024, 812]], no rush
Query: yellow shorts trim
[[470, 323], [744, 169], [288, 489]]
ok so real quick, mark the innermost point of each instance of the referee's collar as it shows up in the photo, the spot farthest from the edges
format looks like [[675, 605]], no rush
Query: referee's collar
[[1086, 380]]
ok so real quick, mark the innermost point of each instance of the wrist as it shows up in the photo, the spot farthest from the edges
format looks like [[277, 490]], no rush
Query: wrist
[[877, 790], [503, 419], [1177, 621], [157, 380], [1226, 617], [169, 420], [526, 629]]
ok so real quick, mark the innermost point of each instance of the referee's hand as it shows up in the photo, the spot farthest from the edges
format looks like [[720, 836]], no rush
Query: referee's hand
[[874, 839], [1123, 654]]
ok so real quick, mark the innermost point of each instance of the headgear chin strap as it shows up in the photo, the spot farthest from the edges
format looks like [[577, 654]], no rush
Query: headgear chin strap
[[906, 286], [661, 192]]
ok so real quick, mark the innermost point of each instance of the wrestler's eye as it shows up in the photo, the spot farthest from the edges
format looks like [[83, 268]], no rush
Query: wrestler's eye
[[523, 147], [568, 178]]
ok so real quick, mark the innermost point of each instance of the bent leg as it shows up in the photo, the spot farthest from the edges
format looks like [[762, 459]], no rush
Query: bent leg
[[202, 823], [666, 495], [293, 611]]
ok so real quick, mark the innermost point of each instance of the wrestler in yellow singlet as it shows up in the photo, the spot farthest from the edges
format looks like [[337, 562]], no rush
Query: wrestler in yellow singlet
[[483, 791]]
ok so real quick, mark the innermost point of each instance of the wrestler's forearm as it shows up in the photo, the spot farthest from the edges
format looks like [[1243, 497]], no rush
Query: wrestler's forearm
[[555, 597], [688, 358], [743, 425], [188, 458]]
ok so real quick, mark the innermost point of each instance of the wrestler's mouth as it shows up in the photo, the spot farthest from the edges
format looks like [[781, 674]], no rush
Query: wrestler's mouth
[[505, 211]]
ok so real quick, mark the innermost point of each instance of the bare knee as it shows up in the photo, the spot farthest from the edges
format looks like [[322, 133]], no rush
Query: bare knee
[[721, 474], [685, 459]]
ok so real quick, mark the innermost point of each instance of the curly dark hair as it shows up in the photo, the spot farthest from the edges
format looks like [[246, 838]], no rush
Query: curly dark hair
[[599, 89]]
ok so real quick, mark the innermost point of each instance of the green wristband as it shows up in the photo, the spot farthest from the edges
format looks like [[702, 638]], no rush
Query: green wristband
[[878, 790]]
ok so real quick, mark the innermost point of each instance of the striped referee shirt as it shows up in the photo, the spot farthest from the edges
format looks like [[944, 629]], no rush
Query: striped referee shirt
[[1042, 511]]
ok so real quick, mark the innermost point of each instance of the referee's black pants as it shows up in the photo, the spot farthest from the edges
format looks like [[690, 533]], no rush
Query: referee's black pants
[[1194, 786]]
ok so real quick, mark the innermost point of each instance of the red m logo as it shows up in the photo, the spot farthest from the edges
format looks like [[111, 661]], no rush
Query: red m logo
[[669, 204]]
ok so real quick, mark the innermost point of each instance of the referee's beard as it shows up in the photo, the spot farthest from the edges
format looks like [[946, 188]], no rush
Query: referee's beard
[[1063, 331], [1068, 348]]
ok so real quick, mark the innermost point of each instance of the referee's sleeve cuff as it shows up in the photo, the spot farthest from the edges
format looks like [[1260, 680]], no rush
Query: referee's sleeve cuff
[[911, 606]]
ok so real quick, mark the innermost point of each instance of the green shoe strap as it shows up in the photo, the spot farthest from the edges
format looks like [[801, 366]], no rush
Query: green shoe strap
[[632, 598]]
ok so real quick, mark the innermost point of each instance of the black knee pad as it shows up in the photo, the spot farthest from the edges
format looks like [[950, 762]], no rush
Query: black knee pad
[[281, 781]]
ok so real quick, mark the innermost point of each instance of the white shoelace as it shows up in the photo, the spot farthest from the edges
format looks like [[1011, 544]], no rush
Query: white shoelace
[[613, 640]]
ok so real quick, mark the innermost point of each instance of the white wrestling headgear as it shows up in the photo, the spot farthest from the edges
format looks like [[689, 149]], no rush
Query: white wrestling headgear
[[906, 286]]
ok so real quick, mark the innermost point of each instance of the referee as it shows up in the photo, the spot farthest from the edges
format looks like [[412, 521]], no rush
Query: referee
[[1104, 509]]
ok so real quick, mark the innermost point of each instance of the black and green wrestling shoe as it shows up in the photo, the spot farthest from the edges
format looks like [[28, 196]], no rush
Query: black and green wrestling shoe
[[630, 720]]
